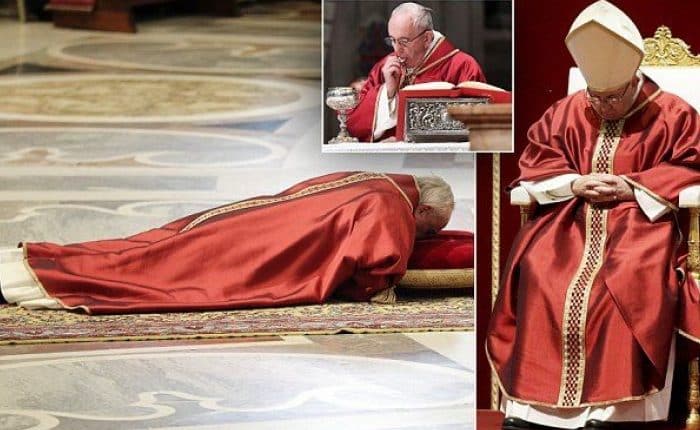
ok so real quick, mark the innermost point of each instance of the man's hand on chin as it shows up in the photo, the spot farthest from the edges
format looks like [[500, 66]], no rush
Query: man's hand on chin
[[392, 70]]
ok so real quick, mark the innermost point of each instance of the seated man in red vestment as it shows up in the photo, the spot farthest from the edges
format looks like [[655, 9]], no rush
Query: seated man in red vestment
[[347, 235], [421, 54], [583, 329]]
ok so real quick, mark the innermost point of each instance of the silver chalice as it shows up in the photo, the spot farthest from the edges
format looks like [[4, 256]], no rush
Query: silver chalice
[[342, 99]]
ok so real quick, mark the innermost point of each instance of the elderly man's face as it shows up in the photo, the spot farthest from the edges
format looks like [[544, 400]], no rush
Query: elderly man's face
[[410, 43], [613, 105], [428, 222]]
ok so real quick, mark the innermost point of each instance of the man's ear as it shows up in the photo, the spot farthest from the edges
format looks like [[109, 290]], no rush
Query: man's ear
[[424, 209], [429, 39]]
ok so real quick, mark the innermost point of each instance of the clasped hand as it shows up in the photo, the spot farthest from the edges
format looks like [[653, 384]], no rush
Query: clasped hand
[[602, 188]]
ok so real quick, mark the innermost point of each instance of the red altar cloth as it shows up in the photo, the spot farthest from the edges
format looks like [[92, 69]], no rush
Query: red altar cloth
[[443, 63], [590, 297], [348, 234]]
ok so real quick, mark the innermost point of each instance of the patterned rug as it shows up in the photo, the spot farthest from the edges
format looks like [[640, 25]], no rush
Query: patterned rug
[[410, 314]]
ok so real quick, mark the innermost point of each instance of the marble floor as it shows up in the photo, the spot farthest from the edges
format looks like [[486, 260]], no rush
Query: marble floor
[[416, 381], [105, 135]]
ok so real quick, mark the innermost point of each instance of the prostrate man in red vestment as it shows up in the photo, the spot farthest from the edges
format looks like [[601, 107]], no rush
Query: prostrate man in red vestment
[[345, 234], [421, 54], [582, 332]]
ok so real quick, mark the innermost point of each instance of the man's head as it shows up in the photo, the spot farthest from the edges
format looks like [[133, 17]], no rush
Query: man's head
[[410, 32], [434, 207], [608, 49], [614, 104]]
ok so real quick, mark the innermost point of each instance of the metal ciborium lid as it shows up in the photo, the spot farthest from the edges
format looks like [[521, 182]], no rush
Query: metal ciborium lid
[[341, 100]]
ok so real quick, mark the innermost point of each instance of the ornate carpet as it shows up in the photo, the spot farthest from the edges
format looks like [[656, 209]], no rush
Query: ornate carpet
[[18, 325]]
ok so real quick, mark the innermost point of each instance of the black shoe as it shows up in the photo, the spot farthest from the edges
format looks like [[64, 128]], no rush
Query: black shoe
[[512, 423], [597, 425]]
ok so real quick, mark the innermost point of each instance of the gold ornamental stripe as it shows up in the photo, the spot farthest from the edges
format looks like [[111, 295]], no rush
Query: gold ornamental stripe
[[579, 290], [437, 62], [313, 189], [32, 273], [430, 52], [576, 307], [495, 261]]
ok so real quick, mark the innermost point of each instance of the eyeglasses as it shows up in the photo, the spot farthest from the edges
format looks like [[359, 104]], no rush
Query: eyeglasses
[[403, 41], [610, 100]]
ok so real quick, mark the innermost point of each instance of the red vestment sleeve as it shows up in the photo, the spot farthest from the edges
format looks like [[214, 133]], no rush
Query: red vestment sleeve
[[682, 166], [545, 155], [466, 68]]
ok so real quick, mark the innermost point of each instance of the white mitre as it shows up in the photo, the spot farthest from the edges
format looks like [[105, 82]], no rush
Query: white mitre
[[606, 46]]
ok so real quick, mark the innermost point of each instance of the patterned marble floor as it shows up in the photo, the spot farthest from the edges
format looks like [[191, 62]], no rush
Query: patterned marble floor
[[366, 382], [106, 135]]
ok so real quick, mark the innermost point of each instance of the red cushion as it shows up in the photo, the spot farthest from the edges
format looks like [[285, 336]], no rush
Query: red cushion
[[449, 249]]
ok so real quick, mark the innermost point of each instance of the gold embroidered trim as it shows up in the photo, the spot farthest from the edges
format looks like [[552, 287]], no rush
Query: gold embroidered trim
[[437, 62], [495, 255], [33, 274], [430, 52], [313, 189], [578, 292], [554, 405]]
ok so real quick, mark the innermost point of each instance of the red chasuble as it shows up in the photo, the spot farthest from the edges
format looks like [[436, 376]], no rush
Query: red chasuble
[[591, 297], [443, 63], [348, 234]]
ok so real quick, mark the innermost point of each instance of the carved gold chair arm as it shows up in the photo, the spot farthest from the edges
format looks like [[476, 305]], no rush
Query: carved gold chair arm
[[690, 199]]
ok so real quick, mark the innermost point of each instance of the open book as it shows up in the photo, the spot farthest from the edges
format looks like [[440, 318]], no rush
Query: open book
[[439, 94], [463, 89]]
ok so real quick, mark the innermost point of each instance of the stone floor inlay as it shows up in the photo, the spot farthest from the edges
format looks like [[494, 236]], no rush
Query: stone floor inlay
[[105, 147], [380, 382], [197, 54], [148, 98]]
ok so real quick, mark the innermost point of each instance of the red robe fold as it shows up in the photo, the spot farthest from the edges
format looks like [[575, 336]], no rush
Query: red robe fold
[[442, 64], [590, 296], [348, 234]]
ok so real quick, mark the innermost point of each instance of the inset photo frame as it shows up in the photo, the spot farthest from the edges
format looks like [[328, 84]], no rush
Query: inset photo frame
[[434, 76]]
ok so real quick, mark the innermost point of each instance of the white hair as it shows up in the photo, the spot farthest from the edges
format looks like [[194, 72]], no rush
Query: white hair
[[420, 15], [436, 193]]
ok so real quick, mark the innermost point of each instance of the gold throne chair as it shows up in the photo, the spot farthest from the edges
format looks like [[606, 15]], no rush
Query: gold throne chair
[[668, 61]]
